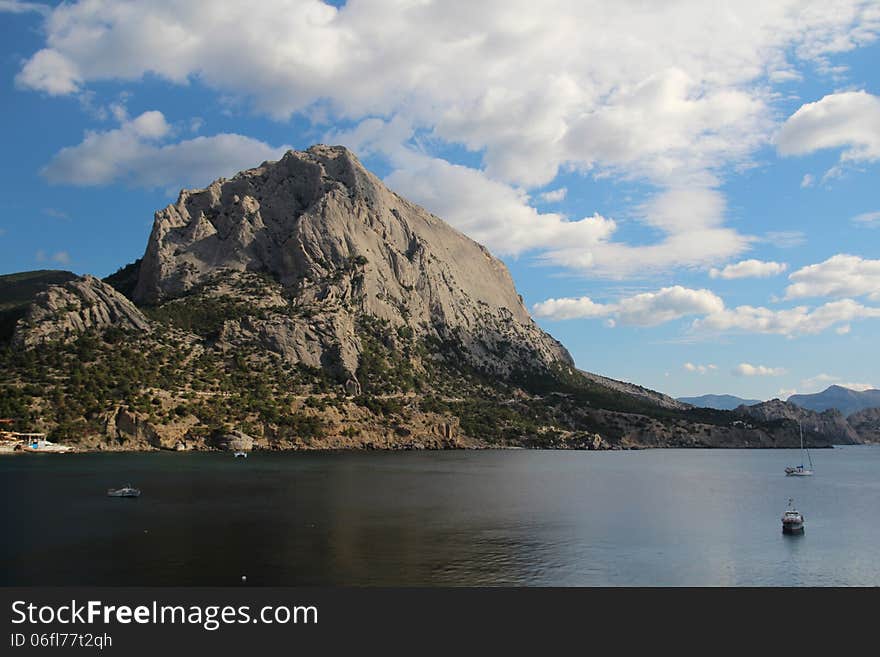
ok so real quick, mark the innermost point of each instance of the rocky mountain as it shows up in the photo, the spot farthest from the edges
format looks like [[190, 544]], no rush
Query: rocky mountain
[[720, 402], [303, 304], [64, 312], [820, 429], [17, 291], [866, 423], [845, 400], [339, 241]]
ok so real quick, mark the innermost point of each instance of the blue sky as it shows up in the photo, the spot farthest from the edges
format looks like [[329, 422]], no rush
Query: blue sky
[[687, 199]]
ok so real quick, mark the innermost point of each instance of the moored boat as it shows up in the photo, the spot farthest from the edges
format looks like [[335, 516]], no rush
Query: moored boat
[[125, 491], [801, 470], [44, 446], [792, 520]]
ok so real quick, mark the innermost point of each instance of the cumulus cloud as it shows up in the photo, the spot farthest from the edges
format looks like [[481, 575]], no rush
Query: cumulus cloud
[[747, 369], [646, 309], [571, 308], [671, 303], [749, 269], [688, 99], [691, 220], [790, 322], [807, 181], [849, 121], [841, 275], [699, 369], [135, 153], [491, 212]]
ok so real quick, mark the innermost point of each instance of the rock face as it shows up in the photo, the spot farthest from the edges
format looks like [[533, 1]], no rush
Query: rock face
[[63, 312], [830, 425], [866, 423], [236, 440], [342, 245]]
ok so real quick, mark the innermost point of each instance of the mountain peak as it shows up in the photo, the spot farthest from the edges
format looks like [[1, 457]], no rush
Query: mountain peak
[[341, 243]]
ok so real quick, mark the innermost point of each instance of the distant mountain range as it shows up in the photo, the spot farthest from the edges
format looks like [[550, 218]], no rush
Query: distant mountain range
[[845, 400], [719, 402]]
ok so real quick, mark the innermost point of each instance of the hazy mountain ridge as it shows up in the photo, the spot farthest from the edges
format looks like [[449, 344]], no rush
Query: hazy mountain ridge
[[846, 400], [719, 402]]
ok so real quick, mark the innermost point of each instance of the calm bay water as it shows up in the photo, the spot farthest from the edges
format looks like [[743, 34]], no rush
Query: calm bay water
[[537, 518]]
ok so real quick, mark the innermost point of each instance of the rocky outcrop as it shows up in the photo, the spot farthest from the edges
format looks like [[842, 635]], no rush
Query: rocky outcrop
[[818, 428], [126, 430], [342, 244], [235, 440], [866, 423], [63, 312]]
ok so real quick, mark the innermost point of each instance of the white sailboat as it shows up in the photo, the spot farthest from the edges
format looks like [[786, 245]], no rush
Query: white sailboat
[[801, 470]]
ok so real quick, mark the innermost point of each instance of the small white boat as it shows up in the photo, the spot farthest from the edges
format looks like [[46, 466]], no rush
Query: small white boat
[[240, 454], [792, 520], [43, 445], [125, 491], [801, 470]]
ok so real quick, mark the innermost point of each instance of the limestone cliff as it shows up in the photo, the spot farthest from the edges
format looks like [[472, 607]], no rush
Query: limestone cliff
[[342, 244]]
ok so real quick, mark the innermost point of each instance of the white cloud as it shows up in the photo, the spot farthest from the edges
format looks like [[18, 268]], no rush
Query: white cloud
[[749, 269], [553, 196], [871, 219], [571, 308], [691, 220], [687, 99], [800, 320], [646, 309], [17, 7], [849, 121], [841, 275], [699, 369], [50, 71], [135, 153], [747, 369], [491, 212], [807, 181]]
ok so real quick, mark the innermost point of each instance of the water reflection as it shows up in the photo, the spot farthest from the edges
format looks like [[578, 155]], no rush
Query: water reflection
[[675, 517]]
